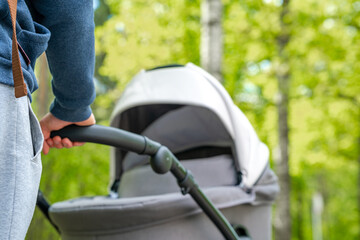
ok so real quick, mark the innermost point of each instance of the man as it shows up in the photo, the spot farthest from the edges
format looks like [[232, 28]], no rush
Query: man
[[65, 29]]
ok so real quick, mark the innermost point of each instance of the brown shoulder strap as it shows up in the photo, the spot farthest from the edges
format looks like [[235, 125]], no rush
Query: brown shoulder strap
[[19, 84]]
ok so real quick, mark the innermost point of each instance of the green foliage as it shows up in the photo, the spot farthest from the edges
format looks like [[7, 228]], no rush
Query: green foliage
[[144, 34], [324, 119]]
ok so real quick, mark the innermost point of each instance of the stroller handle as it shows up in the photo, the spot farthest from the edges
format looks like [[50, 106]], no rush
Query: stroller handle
[[109, 136], [161, 162]]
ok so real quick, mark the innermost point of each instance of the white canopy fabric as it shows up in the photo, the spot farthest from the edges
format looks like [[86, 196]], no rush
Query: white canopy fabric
[[190, 85]]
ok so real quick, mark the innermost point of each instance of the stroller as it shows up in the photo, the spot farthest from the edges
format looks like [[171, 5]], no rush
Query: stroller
[[188, 111]]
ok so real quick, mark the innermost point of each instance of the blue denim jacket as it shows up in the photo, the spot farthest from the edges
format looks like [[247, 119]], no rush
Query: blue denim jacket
[[69, 49]]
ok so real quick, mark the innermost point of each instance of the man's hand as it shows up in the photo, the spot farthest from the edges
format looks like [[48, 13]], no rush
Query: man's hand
[[50, 123]]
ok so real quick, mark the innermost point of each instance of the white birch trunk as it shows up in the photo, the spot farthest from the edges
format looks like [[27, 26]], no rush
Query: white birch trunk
[[316, 212], [211, 49], [44, 88]]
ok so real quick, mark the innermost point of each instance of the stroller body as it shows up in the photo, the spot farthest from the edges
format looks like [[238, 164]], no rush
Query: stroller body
[[187, 110]]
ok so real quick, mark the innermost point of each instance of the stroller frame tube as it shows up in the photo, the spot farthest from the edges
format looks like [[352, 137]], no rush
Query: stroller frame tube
[[162, 161]]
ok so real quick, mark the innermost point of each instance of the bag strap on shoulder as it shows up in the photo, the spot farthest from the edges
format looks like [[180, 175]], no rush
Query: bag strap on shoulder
[[19, 84]]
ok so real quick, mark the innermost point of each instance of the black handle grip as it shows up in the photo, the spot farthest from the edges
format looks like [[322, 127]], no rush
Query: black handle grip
[[104, 135]]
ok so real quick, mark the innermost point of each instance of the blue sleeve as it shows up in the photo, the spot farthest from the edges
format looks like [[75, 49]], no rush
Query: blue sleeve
[[70, 54]]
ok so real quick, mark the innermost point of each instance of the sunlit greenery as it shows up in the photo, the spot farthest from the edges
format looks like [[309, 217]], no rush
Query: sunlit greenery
[[324, 60]]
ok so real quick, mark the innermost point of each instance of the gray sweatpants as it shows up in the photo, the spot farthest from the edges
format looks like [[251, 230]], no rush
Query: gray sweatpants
[[20, 165]]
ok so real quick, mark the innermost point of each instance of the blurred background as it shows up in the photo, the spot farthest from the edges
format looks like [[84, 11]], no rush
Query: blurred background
[[293, 68]]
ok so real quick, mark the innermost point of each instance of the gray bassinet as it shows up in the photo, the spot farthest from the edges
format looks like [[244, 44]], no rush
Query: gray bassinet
[[185, 109]]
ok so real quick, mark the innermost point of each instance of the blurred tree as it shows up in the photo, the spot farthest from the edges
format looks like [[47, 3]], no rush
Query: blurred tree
[[211, 37], [323, 100], [101, 15], [144, 34], [283, 73], [44, 86]]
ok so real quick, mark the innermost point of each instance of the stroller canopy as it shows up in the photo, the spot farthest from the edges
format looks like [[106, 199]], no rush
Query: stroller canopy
[[187, 95]]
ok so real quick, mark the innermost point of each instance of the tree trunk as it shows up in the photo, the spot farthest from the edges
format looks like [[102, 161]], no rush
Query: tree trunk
[[282, 214], [316, 215], [43, 94], [211, 50]]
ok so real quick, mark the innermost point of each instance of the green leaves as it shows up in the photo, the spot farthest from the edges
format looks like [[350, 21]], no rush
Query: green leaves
[[324, 65]]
